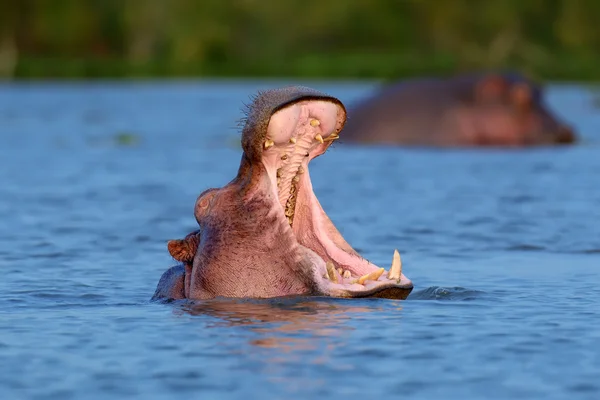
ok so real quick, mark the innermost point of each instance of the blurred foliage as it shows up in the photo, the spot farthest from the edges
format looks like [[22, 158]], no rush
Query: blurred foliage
[[555, 39]]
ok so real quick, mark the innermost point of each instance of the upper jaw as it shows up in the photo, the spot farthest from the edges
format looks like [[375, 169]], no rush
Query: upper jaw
[[295, 135], [260, 131]]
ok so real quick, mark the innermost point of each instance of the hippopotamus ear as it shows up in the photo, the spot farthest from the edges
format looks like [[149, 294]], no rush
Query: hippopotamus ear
[[521, 95], [184, 250], [491, 88]]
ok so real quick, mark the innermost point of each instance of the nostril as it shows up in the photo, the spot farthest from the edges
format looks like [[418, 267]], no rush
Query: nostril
[[565, 135]]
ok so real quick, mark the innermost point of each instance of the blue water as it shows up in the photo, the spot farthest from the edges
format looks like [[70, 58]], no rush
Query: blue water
[[503, 248]]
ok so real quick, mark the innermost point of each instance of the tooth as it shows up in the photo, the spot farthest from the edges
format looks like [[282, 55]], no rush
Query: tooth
[[319, 138], [293, 140], [279, 172], [284, 157], [347, 274], [268, 143], [296, 179], [371, 276], [396, 268], [332, 137], [340, 271], [300, 170], [315, 122], [331, 272]]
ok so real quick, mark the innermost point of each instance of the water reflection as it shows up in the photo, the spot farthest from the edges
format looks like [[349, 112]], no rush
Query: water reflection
[[290, 324]]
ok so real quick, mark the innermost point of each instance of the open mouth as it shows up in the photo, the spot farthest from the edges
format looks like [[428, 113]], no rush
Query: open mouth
[[296, 134]]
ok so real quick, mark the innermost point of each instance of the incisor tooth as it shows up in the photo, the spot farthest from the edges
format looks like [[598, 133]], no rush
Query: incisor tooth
[[315, 122], [331, 272], [340, 271], [269, 143], [293, 140], [347, 274], [319, 138], [371, 276], [396, 268]]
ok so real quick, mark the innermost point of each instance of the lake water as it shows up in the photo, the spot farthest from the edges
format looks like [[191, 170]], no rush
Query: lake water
[[503, 248]]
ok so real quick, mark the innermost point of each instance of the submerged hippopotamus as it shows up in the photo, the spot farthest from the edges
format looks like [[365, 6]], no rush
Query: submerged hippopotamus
[[466, 110], [265, 234]]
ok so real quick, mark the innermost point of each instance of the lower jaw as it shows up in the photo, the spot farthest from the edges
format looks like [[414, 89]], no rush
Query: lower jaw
[[383, 291], [341, 271]]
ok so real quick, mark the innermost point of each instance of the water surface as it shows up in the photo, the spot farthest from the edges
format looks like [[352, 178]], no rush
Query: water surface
[[503, 248]]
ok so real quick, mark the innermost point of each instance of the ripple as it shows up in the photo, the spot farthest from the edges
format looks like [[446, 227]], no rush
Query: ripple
[[589, 251], [584, 387], [444, 293], [525, 247]]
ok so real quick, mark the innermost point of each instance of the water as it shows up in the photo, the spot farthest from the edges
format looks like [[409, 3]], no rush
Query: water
[[503, 248]]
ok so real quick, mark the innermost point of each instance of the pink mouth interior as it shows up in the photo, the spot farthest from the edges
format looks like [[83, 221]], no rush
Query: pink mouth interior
[[294, 132]]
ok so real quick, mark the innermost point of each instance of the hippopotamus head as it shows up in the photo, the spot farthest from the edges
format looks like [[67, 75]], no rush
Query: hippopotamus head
[[508, 109], [265, 233]]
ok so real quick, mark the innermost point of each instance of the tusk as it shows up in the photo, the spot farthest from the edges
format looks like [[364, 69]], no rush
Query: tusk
[[371, 276], [332, 137], [269, 143], [396, 268], [331, 272]]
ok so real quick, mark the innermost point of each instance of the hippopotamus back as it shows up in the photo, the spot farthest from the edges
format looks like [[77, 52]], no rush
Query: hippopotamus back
[[466, 110]]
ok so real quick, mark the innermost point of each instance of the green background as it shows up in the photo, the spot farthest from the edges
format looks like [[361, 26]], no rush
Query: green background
[[546, 39]]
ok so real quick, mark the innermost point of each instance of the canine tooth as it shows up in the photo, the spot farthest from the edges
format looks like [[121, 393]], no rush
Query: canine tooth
[[371, 276], [332, 137], [331, 272], [319, 138], [269, 143], [347, 274], [293, 140], [340, 271], [396, 268], [315, 122]]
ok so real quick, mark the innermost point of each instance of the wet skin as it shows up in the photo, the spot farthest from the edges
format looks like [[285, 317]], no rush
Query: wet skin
[[505, 110], [265, 234]]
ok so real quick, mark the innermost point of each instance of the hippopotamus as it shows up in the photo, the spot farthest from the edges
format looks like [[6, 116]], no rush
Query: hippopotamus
[[265, 234], [499, 109]]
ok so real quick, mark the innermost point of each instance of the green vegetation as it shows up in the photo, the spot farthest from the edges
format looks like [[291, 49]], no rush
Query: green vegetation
[[548, 39], [126, 139]]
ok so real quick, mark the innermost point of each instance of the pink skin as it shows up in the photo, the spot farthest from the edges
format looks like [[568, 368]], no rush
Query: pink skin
[[247, 247]]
